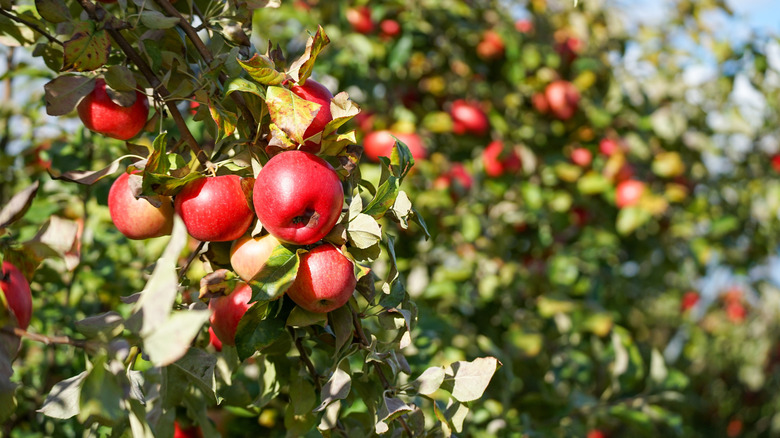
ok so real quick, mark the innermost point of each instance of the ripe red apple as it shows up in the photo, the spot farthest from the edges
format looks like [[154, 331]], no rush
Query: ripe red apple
[[214, 340], [100, 114], [325, 281], [249, 254], [689, 300], [581, 157], [390, 28], [380, 144], [315, 92], [456, 175], [776, 162], [298, 197], [17, 294], [524, 25], [214, 209], [628, 193], [608, 146], [186, 432], [138, 218], [227, 311], [360, 19], [539, 102], [563, 99], [491, 47], [496, 162], [569, 48], [595, 433], [468, 118]]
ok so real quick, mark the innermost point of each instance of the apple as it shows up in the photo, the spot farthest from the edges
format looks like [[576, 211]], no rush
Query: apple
[[214, 209], [186, 432], [563, 99], [524, 25], [595, 433], [491, 47], [227, 311], [539, 102], [468, 118], [496, 162], [100, 114], [17, 294], [214, 340], [380, 144], [689, 300], [360, 19], [457, 175], [298, 197], [581, 157], [609, 147], [325, 281], [137, 218], [249, 254], [569, 49], [390, 28], [579, 216], [736, 312], [315, 92], [629, 192], [776, 163]]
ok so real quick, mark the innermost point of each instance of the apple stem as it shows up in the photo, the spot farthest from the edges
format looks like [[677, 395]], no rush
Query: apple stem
[[305, 358]]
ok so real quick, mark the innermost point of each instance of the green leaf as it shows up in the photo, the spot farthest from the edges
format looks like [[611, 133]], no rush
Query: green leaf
[[120, 78], [429, 381], [199, 367], [170, 341], [363, 231], [63, 399], [18, 205], [631, 218], [88, 177], [467, 381], [260, 327], [101, 395], [391, 409], [301, 68], [269, 381], [107, 325], [298, 417], [384, 199], [242, 85], [278, 273], [62, 94], [262, 70], [290, 113], [341, 322], [337, 388], [87, 49], [342, 109], [157, 20], [300, 317], [53, 11]]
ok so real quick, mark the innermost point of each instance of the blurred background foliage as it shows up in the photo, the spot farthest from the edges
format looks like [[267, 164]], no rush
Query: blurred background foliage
[[658, 318]]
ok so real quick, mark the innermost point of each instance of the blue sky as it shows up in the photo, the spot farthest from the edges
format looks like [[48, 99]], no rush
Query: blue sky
[[761, 14]]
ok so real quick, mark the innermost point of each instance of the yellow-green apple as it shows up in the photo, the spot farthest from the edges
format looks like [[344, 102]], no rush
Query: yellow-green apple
[[102, 115], [137, 218], [360, 19], [629, 192], [249, 254], [298, 197], [325, 280], [17, 294], [380, 144], [497, 162], [468, 118], [315, 92], [562, 98], [214, 209], [227, 311]]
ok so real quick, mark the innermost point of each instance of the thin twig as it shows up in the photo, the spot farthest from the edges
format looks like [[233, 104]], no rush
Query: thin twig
[[305, 358], [48, 340], [97, 13], [190, 258], [377, 368], [32, 26]]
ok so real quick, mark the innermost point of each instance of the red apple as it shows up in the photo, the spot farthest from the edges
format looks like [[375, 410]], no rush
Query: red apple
[[249, 254], [497, 163], [595, 433], [736, 312], [539, 102], [214, 209], [360, 19], [138, 218], [608, 146], [17, 294], [569, 49], [298, 197], [629, 193], [776, 163], [468, 118], [227, 311], [491, 47], [581, 157], [186, 432], [100, 114], [524, 25], [563, 99], [689, 300], [380, 144], [315, 92], [579, 216], [390, 28], [214, 340], [325, 281]]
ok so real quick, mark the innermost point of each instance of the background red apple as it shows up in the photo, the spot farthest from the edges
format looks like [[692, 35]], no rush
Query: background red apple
[[468, 118], [325, 281], [380, 144], [249, 254], [138, 218], [497, 162], [390, 28], [214, 209], [360, 19], [491, 47], [298, 197], [563, 99], [17, 293], [689, 300], [186, 432], [214, 340], [524, 25], [581, 157], [227, 311], [100, 114], [315, 92], [608, 146], [628, 193], [776, 162]]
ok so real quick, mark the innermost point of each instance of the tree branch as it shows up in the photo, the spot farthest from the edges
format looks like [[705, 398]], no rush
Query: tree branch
[[205, 53], [32, 26], [305, 358], [48, 340], [112, 25], [190, 258]]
